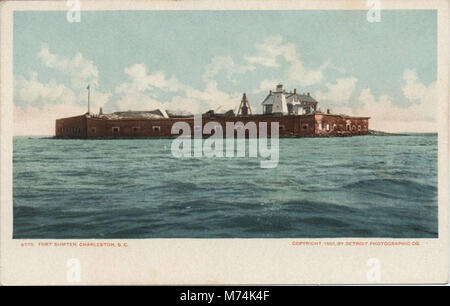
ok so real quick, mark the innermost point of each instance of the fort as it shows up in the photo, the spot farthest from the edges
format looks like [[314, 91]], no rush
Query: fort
[[297, 115]]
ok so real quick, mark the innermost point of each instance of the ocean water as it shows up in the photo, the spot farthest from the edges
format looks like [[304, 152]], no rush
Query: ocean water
[[366, 186]]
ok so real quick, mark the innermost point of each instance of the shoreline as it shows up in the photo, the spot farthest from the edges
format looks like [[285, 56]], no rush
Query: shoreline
[[370, 133]]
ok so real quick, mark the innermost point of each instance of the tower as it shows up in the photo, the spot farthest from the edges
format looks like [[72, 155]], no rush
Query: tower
[[244, 107], [279, 101]]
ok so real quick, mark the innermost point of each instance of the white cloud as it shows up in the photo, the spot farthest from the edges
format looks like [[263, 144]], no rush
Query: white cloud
[[419, 116], [297, 72], [182, 104], [46, 102], [137, 102], [141, 81], [214, 98], [273, 49], [33, 91], [339, 92], [418, 93], [39, 103], [139, 93], [270, 50], [80, 70], [265, 86], [226, 64]]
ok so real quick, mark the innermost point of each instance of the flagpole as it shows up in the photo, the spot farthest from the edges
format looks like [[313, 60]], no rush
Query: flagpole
[[89, 93]]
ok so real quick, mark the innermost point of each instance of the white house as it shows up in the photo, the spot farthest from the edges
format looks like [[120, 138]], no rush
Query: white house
[[288, 103]]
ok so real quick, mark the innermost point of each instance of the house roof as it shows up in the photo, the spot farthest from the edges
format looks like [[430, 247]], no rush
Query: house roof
[[268, 100], [302, 98], [136, 115]]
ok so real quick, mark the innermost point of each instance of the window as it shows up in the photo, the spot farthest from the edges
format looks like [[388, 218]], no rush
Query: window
[[281, 127], [354, 128], [116, 129], [320, 125], [334, 126], [93, 129], [135, 129], [328, 127], [156, 128], [359, 128], [305, 126]]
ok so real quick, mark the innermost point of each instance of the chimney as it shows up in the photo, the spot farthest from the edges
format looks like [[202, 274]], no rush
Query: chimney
[[328, 111], [308, 94], [295, 90], [101, 111], [270, 92]]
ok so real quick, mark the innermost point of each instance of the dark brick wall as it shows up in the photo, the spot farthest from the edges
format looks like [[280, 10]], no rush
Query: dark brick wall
[[161, 128], [306, 125], [289, 126], [339, 125], [72, 127]]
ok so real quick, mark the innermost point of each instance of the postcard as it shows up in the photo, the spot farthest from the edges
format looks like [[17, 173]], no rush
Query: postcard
[[224, 142]]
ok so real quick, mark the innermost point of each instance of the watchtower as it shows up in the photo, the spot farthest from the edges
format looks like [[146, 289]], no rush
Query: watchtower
[[244, 107]]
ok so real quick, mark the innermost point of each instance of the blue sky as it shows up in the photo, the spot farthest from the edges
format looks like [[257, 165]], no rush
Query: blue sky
[[200, 60]]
